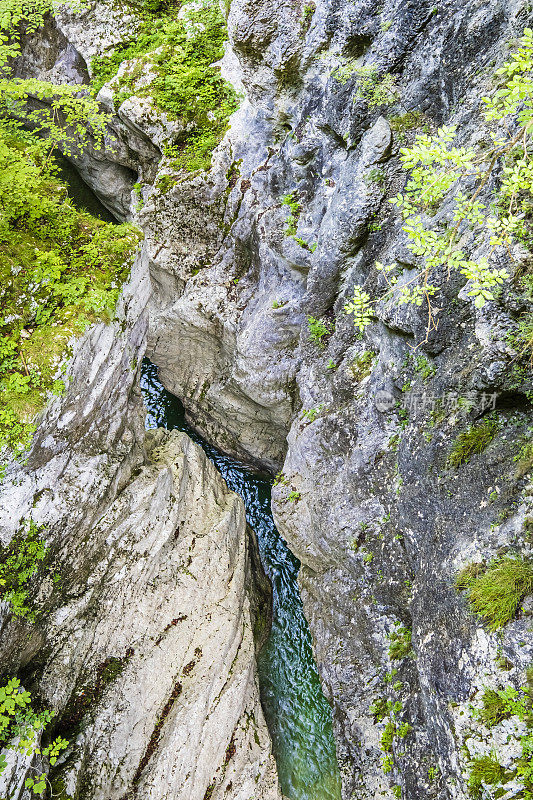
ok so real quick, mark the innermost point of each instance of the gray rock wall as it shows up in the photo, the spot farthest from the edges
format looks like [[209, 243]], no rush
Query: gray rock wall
[[143, 645]]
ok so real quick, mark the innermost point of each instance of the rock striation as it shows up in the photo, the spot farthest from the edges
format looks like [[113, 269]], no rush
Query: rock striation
[[144, 641]]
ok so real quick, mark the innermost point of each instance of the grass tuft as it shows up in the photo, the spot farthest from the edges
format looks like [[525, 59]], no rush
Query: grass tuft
[[495, 592], [474, 440], [485, 770]]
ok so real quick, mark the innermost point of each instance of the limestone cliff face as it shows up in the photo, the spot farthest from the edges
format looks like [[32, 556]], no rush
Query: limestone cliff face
[[143, 646], [377, 517]]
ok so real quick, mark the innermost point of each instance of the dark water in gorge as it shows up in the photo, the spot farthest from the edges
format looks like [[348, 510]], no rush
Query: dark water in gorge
[[297, 713], [80, 194]]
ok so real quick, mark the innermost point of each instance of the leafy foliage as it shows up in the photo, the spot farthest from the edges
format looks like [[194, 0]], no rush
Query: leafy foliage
[[66, 115], [20, 561], [361, 308], [60, 269], [20, 726], [317, 330], [440, 170], [179, 51]]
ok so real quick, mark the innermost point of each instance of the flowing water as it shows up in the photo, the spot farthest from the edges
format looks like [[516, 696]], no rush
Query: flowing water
[[297, 713]]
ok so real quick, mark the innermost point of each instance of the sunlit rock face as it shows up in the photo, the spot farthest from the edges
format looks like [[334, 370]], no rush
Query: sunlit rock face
[[367, 499]]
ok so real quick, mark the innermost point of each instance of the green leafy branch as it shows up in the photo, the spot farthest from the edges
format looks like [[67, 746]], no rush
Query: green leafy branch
[[438, 168], [20, 727]]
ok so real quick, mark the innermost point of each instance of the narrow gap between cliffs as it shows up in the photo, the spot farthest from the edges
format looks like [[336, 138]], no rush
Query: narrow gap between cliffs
[[296, 711]]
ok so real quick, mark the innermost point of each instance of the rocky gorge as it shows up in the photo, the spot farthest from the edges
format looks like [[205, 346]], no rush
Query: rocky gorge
[[401, 448]]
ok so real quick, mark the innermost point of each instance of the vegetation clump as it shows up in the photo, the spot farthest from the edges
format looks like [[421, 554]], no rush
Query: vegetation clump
[[400, 643], [500, 704], [524, 458], [179, 51], [19, 728], [361, 367], [472, 441], [495, 592], [60, 268], [19, 562], [375, 88], [442, 171], [317, 330], [484, 770], [291, 200]]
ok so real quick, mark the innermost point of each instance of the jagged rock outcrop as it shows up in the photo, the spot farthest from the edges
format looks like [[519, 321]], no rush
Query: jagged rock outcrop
[[379, 520], [144, 644], [62, 52]]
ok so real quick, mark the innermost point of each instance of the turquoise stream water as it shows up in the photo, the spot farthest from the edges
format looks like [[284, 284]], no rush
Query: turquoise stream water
[[297, 713]]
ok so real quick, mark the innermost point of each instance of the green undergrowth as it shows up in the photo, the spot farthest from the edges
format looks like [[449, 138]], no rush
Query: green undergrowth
[[179, 53], [500, 704], [485, 771], [496, 591], [20, 560], [60, 270]]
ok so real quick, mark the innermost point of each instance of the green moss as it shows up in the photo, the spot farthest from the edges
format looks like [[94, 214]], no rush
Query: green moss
[[484, 770], [361, 366], [60, 269], [524, 459], [400, 643], [522, 338], [475, 440], [89, 694], [404, 122], [495, 593], [180, 53]]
